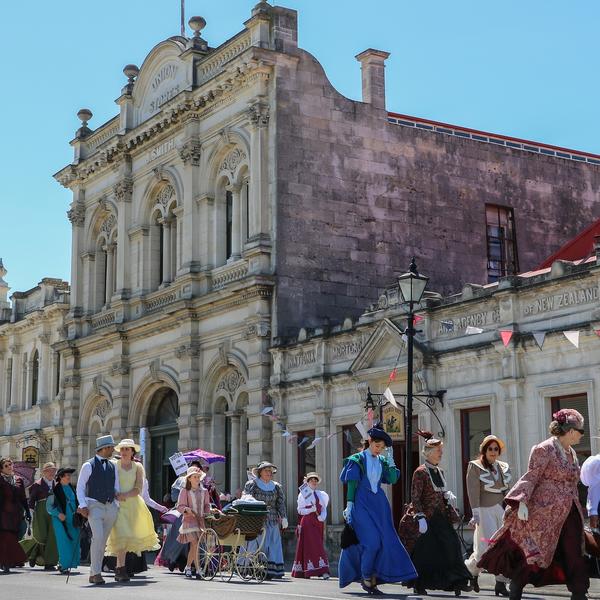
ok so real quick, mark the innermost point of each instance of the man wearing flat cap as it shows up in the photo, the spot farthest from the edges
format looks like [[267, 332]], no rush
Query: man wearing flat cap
[[41, 548], [97, 489]]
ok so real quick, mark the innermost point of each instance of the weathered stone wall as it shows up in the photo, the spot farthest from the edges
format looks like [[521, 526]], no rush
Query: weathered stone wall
[[357, 196]]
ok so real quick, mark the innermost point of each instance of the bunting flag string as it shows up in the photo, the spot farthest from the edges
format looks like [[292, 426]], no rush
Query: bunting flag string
[[506, 335], [539, 337], [573, 337]]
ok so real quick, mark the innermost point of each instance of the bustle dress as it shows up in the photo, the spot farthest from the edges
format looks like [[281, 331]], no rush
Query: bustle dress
[[311, 557], [13, 507], [436, 554]]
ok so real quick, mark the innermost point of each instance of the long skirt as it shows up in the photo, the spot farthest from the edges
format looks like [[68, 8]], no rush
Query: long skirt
[[311, 556], [437, 557], [11, 553], [272, 548], [173, 554], [68, 539], [41, 548], [133, 563], [568, 566], [490, 520]]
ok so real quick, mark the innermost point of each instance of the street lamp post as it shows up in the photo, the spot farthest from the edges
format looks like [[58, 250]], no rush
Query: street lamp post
[[412, 286]]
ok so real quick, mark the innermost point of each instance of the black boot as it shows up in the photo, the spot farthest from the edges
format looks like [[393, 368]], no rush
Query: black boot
[[500, 589], [516, 590], [578, 597], [475, 584]]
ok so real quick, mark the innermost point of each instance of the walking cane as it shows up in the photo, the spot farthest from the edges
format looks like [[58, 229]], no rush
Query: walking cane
[[74, 554]]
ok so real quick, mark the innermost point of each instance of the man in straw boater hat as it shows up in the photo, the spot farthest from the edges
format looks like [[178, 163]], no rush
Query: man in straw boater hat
[[41, 547], [97, 489]]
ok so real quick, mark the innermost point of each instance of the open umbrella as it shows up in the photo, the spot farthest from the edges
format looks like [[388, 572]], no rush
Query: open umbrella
[[26, 471], [209, 457]]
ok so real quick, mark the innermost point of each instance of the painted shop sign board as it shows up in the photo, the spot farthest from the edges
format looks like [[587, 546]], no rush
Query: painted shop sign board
[[393, 422], [31, 455]]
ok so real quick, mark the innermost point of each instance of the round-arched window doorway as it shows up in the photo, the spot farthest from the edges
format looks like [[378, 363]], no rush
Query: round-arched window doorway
[[163, 432]]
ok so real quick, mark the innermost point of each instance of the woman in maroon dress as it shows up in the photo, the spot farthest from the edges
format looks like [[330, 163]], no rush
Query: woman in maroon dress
[[13, 508], [541, 541], [311, 556]]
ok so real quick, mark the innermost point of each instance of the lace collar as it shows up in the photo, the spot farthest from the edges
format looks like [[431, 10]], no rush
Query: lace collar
[[487, 478], [432, 468]]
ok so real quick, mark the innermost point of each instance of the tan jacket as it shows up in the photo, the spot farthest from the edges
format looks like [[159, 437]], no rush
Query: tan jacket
[[483, 490]]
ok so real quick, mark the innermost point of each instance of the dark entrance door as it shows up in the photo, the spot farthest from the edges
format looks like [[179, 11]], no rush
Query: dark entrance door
[[164, 439]]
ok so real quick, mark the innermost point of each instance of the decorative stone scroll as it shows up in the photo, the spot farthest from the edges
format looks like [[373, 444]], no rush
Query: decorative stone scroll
[[123, 190], [165, 196], [103, 409], [190, 152], [233, 160], [231, 382], [109, 224]]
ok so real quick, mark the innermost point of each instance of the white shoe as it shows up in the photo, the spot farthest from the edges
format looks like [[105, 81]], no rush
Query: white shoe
[[188, 572], [325, 576]]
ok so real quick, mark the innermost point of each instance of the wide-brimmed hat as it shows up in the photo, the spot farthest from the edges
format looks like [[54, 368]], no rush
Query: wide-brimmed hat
[[104, 441], [312, 475], [430, 440], [127, 443], [378, 434], [63, 471], [265, 464], [492, 438], [194, 471], [48, 465]]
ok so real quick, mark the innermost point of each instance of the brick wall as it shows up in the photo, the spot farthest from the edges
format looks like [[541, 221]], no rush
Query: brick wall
[[357, 196]]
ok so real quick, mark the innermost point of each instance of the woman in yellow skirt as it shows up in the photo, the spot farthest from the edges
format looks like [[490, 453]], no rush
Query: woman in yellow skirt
[[134, 529]]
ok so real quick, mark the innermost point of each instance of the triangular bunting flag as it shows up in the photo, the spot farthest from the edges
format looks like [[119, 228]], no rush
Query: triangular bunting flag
[[417, 319], [573, 337], [266, 410], [506, 335], [348, 436], [304, 440], [539, 337], [370, 417], [361, 428], [597, 332], [313, 443], [473, 330], [393, 374], [405, 338], [330, 436], [390, 397], [286, 434]]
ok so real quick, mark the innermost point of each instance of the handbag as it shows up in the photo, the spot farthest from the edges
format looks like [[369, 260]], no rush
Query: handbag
[[348, 537], [78, 520]]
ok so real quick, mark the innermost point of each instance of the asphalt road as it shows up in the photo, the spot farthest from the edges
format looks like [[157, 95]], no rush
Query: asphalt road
[[159, 584]]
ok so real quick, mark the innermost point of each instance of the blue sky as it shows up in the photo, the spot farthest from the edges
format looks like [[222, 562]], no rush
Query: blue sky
[[527, 69]]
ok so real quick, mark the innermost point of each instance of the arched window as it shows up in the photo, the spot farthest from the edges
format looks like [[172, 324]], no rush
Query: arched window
[[105, 263], [163, 238], [35, 375]]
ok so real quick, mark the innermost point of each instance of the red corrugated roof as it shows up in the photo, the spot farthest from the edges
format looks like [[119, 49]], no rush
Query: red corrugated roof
[[577, 249]]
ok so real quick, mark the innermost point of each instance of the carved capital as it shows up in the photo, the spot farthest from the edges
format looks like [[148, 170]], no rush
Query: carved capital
[[192, 350], [258, 114], [190, 152], [77, 214], [258, 330], [120, 367], [44, 338], [71, 381], [123, 190]]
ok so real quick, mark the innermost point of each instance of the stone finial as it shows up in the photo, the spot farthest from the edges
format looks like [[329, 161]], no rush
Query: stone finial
[[262, 7], [84, 115], [131, 72], [4, 289], [373, 76], [197, 24]]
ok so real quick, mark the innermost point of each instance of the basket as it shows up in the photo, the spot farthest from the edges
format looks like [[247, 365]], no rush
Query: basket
[[251, 524], [222, 524]]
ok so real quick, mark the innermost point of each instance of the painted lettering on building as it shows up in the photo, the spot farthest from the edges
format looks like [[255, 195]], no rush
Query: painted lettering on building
[[346, 349], [559, 301], [478, 319]]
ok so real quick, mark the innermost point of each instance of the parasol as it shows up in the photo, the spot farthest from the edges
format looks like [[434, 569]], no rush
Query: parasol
[[25, 471], [209, 457]]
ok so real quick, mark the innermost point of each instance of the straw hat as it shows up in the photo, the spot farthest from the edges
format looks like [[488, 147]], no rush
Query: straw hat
[[492, 438], [48, 465], [194, 471], [312, 475], [127, 443]]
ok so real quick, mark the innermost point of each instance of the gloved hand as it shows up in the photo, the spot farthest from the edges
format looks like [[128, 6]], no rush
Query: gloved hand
[[322, 517], [450, 497], [390, 455], [348, 512], [523, 512], [284, 523], [475, 518], [422, 525]]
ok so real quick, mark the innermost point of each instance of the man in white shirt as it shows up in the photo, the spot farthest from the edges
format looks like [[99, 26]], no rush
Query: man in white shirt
[[97, 493]]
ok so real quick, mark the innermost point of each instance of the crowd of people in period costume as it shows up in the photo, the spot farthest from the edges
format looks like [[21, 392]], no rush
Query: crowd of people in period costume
[[529, 532]]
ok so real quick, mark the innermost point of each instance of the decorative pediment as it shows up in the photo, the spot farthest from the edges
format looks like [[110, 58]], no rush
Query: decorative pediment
[[162, 76], [384, 350]]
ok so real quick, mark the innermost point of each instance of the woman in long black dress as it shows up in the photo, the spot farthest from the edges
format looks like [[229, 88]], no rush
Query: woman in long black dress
[[13, 510]]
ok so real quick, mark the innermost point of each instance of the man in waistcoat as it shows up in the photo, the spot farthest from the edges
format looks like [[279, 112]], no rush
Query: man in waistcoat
[[97, 491]]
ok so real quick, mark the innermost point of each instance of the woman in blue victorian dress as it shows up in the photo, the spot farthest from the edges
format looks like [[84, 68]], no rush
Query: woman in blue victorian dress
[[379, 557]]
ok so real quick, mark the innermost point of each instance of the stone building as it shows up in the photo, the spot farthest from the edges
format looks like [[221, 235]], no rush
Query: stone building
[[235, 198]]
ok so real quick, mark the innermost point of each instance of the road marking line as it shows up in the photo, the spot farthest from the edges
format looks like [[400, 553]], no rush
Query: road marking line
[[246, 591]]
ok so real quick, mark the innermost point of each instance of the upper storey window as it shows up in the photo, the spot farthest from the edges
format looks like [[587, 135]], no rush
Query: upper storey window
[[164, 234], [502, 255]]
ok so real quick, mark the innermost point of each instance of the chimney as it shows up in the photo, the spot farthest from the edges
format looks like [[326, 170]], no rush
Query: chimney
[[373, 76]]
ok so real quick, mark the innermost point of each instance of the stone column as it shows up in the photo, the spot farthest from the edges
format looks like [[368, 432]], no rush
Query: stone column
[[204, 425], [3, 399], [82, 449], [321, 449], [259, 177], [123, 192], [236, 222], [44, 379], [77, 217], [71, 385], [235, 449], [243, 450], [166, 225], [89, 285], [14, 384], [108, 287]]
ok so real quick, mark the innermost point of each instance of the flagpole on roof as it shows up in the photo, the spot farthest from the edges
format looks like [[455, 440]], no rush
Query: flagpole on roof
[[182, 18]]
